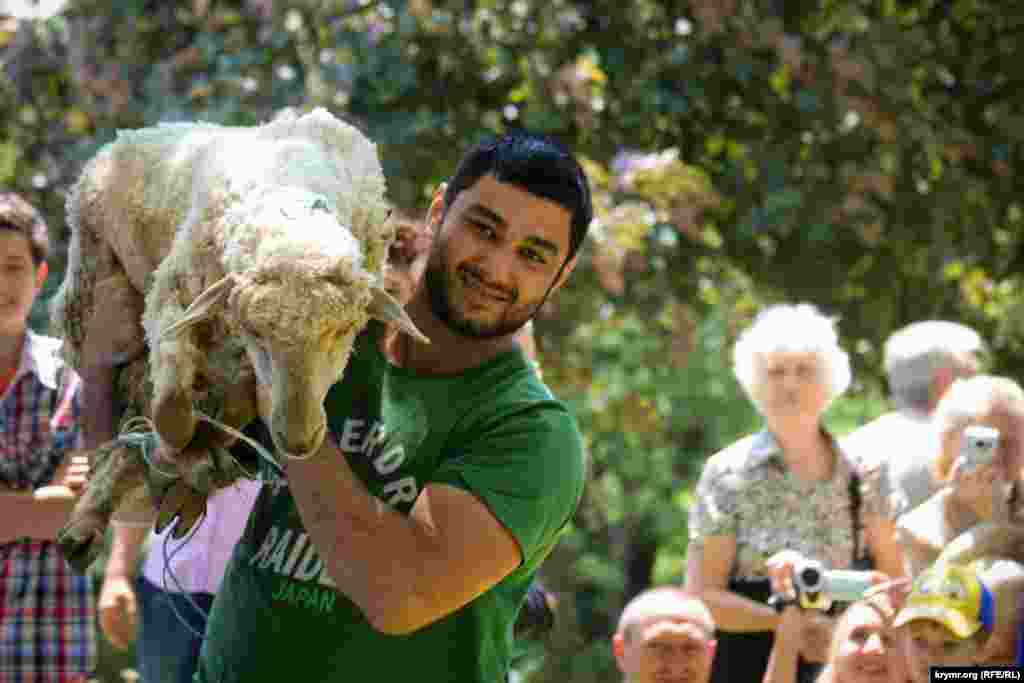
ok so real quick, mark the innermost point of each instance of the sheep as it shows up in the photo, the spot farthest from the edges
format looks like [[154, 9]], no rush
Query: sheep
[[259, 253]]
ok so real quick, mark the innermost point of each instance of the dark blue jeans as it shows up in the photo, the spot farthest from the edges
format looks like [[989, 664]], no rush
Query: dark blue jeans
[[166, 649]]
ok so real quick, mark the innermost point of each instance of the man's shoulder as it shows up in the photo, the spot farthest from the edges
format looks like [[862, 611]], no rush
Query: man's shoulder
[[885, 434], [508, 388]]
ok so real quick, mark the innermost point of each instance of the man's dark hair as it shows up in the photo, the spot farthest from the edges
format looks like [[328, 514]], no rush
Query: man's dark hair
[[537, 616], [18, 215], [536, 163]]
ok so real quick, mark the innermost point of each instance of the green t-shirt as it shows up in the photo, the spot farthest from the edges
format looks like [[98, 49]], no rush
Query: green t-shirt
[[496, 431]]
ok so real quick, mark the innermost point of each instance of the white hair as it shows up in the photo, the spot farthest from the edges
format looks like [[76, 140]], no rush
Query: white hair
[[915, 352], [792, 328], [668, 602]]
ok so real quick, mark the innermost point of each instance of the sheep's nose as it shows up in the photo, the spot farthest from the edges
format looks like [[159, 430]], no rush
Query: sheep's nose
[[302, 446]]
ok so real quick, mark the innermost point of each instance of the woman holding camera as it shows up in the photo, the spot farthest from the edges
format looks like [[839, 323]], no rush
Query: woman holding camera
[[981, 484], [787, 487]]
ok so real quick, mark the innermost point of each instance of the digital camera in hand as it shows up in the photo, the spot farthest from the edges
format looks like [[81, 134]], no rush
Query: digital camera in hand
[[978, 446], [817, 587]]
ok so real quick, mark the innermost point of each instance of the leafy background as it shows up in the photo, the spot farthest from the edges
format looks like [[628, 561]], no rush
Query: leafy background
[[860, 155]]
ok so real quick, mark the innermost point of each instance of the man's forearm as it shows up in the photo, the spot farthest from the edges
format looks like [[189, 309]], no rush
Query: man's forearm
[[27, 517], [126, 544], [374, 554]]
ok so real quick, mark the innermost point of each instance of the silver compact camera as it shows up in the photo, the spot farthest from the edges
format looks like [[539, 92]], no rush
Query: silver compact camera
[[978, 447], [817, 587]]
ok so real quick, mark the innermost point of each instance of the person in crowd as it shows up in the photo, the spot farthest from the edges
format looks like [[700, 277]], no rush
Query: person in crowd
[[664, 634], [866, 647], [950, 615], [787, 487], [169, 600], [989, 492], [47, 630], [179, 578], [166, 606], [922, 360], [405, 546]]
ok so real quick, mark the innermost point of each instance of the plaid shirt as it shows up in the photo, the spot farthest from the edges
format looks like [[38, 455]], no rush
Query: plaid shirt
[[47, 612]]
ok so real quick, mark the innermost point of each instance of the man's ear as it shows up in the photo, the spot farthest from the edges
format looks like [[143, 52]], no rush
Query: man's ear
[[712, 646], [619, 650], [566, 271], [41, 272], [435, 214]]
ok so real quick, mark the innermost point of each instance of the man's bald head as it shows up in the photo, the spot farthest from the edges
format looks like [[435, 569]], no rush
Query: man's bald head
[[667, 602], [665, 633]]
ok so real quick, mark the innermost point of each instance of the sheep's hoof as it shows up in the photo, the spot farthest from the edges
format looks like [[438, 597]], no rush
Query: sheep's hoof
[[182, 503], [78, 551], [174, 420]]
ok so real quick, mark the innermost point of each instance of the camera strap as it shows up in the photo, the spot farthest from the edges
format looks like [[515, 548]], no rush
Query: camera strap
[[861, 556]]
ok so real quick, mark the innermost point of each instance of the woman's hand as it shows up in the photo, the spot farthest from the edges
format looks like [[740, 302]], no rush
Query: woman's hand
[[976, 488], [781, 567]]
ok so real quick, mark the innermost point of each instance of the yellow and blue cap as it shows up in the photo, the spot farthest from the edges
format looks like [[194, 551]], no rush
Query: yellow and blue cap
[[952, 595]]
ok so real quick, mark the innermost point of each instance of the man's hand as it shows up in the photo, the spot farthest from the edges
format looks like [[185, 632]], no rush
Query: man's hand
[[117, 606], [73, 472], [68, 481]]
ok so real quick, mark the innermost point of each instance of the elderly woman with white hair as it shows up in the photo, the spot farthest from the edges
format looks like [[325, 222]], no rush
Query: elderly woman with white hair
[[783, 493], [988, 493]]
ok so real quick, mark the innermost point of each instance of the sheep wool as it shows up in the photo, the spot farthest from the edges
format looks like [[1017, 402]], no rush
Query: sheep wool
[[258, 252]]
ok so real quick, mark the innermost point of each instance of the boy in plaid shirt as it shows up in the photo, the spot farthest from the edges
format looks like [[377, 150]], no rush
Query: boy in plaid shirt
[[47, 614]]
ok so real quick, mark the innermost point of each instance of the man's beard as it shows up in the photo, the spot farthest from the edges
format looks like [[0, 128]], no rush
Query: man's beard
[[439, 290]]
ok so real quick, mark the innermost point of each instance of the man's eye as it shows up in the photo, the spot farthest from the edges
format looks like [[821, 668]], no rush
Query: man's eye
[[484, 229], [534, 255]]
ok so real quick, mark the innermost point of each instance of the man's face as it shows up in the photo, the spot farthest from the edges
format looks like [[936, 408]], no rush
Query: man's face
[[868, 650], [495, 257], [666, 650], [934, 645], [20, 281]]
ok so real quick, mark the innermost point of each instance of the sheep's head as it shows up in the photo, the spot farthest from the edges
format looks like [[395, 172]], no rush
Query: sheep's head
[[298, 306]]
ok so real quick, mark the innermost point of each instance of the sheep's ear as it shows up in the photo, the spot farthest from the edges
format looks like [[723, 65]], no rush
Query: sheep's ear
[[386, 308], [204, 305]]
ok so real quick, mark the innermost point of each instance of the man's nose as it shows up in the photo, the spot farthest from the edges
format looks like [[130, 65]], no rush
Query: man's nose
[[497, 267]]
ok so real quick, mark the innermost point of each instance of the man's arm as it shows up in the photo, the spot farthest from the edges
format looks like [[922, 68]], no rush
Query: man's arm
[[117, 603], [25, 516], [404, 572], [41, 514]]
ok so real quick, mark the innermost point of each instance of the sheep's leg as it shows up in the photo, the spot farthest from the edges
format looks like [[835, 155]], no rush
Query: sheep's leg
[[96, 312], [173, 360]]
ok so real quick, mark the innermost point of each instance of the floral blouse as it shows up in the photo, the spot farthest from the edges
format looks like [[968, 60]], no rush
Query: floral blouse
[[746, 491]]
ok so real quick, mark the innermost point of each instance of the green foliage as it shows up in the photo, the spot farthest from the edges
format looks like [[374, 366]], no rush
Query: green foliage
[[861, 156]]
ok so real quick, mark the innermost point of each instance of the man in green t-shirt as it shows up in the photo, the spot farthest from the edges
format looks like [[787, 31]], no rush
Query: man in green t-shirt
[[402, 550]]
